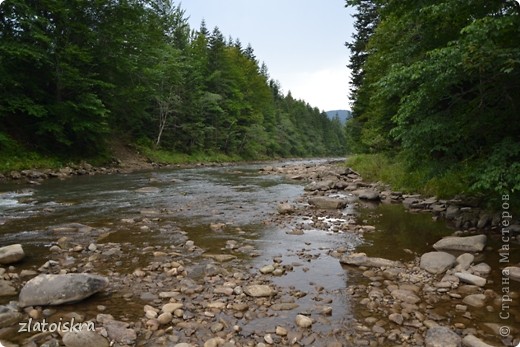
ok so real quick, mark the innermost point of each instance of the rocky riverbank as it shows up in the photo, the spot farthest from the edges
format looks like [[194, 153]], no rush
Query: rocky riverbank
[[179, 294]]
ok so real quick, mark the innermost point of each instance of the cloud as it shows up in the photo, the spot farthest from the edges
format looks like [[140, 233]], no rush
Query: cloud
[[326, 88]]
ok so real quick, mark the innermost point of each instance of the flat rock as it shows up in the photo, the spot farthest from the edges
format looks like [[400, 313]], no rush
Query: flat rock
[[259, 290], [60, 289], [464, 261], [367, 194], [463, 244], [303, 321], [6, 288], [405, 296], [285, 208], [84, 338], [327, 203], [442, 337], [437, 262], [473, 341], [148, 190], [471, 279], [361, 259], [475, 300], [11, 254], [120, 332], [284, 306], [513, 272], [220, 257]]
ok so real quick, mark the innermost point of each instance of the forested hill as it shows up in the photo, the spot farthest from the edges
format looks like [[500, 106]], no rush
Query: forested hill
[[76, 73], [436, 86]]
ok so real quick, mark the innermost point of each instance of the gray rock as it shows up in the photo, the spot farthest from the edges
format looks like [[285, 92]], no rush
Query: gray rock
[[285, 208], [464, 244], [513, 272], [475, 300], [259, 290], [442, 337], [405, 296], [60, 289], [120, 332], [366, 194], [452, 212], [84, 338], [473, 341], [10, 318], [397, 318], [284, 306], [464, 261], [327, 203], [471, 279], [148, 190], [361, 259], [11, 254], [437, 262], [321, 185], [303, 321], [481, 269], [6, 288]]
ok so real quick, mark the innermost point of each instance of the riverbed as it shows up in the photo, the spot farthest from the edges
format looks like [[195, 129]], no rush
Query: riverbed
[[128, 226]]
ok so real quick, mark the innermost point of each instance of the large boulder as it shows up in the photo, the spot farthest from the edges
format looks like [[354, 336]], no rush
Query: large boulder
[[327, 203], [463, 244], [437, 262], [11, 254], [60, 289], [361, 259]]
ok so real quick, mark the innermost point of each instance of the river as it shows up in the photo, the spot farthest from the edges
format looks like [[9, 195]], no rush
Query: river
[[222, 210]]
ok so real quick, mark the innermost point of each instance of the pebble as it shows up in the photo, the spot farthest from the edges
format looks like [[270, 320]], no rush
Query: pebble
[[303, 321]]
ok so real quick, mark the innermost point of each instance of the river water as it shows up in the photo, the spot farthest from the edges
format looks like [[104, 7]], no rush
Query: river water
[[213, 206]]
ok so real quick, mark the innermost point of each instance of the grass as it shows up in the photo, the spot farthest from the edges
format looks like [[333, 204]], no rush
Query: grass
[[396, 172], [168, 157]]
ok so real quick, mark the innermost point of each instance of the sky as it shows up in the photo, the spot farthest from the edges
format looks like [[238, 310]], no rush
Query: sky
[[302, 42]]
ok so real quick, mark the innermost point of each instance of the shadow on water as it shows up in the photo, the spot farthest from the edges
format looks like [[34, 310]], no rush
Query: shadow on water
[[397, 230]]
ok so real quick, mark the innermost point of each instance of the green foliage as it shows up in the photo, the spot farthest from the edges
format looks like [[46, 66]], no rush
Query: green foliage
[[439, 85], [75, 73]]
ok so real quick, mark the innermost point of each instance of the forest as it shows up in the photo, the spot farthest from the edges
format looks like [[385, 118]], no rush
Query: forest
[[436, 86], [75, 75]]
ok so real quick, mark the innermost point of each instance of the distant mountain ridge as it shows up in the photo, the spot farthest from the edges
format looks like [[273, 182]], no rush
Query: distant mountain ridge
[[342, 114]]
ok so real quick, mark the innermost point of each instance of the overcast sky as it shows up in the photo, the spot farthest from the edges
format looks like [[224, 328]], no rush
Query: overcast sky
[[301, 41]]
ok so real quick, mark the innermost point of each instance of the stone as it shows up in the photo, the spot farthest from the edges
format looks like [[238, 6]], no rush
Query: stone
[[303, 321], [437, 262], [10, 318], [513, 272], [481, 269], [442, 337], [60, 289], [148, 190], [267, 269], [165, 318], [327, 203], [171, 307], [285, 208], [84, 338], [221, 258], [471, 279], [120, 332], [11, 254], [397, 318], [259, 290], [366, 194], [464, 261], [475, 300], [284, 306], [405, 296], [463, 244], [473, 341], [214, 342], [361, 259], [281, 331], [6, 288]]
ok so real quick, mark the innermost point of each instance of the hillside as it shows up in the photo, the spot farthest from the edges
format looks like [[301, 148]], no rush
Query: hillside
[[343, 115]]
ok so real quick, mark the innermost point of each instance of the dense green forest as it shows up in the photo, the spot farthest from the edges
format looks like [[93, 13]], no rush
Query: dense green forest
[[75, 74], [436, 86]]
